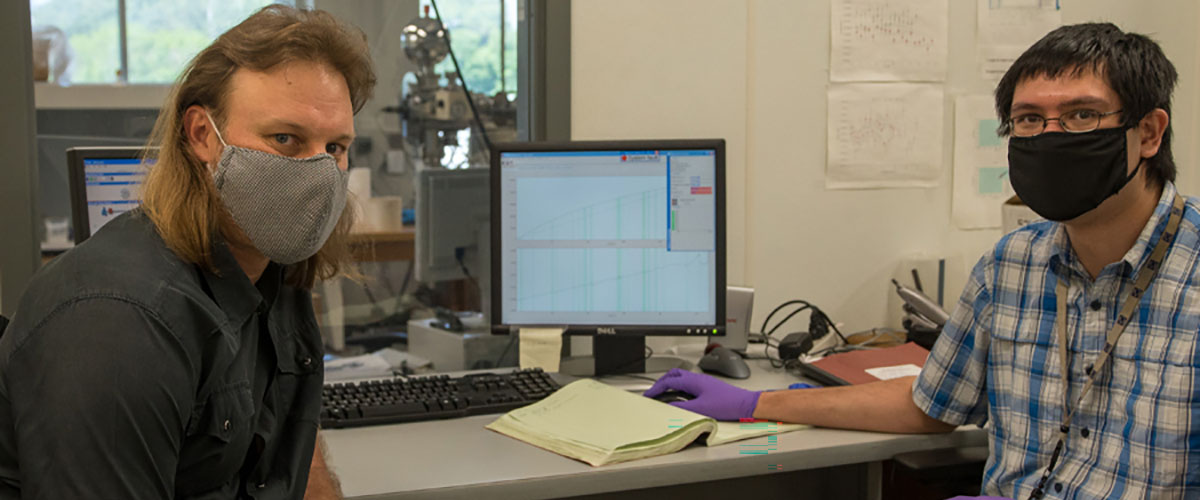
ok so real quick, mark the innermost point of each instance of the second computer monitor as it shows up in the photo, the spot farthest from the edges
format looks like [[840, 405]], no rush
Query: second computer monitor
[[610, 238], [452, 224], [105, 182]]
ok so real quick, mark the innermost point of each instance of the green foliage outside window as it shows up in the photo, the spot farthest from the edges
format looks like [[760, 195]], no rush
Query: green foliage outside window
[[475, 35], [163, 35]]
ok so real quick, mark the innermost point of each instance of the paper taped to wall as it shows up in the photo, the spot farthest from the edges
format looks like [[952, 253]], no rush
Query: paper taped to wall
[[888, 40], [884, 135], [1007, 27], [980, 164]]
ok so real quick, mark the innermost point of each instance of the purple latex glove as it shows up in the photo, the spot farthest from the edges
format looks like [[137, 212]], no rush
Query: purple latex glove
[[713, 398], [978, 498]]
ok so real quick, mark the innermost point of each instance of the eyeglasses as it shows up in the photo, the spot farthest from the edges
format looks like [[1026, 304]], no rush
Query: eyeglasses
[[1077, 122]]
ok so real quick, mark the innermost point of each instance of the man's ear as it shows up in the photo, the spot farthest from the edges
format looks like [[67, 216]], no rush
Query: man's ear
[[201, 137], [1151, 129]]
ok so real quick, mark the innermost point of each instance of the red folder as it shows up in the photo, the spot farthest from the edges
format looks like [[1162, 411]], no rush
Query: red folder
[[851, 367]]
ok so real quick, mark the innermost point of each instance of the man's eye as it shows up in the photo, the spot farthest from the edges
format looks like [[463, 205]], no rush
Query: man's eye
[[1027, 119], [334, 149], [284, 139], [1084, 114]]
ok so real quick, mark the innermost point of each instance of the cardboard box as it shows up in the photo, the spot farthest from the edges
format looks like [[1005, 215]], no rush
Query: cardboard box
[[1014, 214]]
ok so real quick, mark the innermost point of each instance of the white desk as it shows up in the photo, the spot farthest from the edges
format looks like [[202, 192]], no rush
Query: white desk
[[460, 459]]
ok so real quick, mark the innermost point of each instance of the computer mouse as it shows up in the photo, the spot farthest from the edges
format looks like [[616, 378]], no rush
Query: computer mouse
[[724, 361], [447, 320], [673, 396]]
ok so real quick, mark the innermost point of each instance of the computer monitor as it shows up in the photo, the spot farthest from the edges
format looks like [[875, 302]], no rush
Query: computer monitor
[[54, 180], [619, 240], [453, 226], [105, 182]]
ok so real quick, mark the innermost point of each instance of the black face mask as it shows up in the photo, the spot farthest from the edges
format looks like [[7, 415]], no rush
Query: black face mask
[[1061, 175]]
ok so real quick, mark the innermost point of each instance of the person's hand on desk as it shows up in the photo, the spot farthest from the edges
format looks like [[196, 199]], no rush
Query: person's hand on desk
[[711, 397]]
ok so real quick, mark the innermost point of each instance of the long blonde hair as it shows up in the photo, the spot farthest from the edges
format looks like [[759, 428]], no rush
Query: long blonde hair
[[178, 195]]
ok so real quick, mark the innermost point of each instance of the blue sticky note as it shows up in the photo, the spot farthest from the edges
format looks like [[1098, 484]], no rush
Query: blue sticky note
[[992, 180], [987, 134]]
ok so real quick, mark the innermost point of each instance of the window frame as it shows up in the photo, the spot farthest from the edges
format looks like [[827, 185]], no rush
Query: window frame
[[123, 49]]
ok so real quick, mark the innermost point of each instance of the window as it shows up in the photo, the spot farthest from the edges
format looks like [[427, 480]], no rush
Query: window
[[160, 36], [483, 34], [477, 33]]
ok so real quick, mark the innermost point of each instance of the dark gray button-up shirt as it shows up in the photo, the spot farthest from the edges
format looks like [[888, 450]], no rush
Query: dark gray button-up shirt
[[128, 373]]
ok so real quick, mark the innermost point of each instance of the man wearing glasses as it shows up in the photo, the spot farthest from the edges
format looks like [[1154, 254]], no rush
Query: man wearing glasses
[[1076, 337]]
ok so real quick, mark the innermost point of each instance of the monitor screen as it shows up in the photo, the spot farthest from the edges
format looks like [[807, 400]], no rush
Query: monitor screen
[[112, 188], [453, 217], [105, 183], [610, 237]]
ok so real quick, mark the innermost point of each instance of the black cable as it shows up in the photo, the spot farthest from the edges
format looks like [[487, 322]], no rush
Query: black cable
[[818, 317], [836, 330], [775, 361], [777, 309], [508, 346], [470, 100], [407, 277], [467, 272], [370, 295], [789, 316]]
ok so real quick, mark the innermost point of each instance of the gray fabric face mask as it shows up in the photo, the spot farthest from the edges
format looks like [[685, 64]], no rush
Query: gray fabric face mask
[[288, 207]]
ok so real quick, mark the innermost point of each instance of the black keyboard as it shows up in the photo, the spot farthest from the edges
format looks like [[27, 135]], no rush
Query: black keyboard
[[411, 399]]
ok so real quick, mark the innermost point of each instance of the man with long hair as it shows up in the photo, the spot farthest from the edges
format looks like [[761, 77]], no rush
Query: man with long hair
[[175, 353]]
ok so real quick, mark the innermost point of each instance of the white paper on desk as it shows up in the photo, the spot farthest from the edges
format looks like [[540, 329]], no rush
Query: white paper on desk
[[363, 366], [980, 164], [540, 348], [891, 372], [888, 40], [884, 135]]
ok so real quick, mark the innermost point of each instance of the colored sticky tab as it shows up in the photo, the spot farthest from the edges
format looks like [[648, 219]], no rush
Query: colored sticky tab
[[987, 134], [992, 179]]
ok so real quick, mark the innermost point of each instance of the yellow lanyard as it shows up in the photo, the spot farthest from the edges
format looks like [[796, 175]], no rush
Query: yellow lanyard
[[1145, 275]]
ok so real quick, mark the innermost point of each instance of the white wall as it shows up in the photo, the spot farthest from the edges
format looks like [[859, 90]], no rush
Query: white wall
[[756, 73], [643, 70]]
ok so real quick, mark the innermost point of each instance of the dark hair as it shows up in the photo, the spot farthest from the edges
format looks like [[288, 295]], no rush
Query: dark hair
[[1132, 64]]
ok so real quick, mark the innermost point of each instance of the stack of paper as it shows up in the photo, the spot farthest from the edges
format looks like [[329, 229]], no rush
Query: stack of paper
[[598, 424]]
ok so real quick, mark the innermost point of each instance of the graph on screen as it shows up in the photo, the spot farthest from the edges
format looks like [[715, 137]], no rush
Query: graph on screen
[[612, 280], [592, 208], [598, 243]]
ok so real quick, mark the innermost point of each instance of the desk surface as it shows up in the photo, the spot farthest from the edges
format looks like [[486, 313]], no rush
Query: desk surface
[[460, 459], [383, 246]]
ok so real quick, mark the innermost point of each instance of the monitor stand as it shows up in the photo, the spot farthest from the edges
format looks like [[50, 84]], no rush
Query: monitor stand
[[613, 354]]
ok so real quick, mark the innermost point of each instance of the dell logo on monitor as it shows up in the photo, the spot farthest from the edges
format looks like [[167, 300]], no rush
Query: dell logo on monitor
[[601, 330]]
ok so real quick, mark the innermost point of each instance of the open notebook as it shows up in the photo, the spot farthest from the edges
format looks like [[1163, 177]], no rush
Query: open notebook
[[599, 424]]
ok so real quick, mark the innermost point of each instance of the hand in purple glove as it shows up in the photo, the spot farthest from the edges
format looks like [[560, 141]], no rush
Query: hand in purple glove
[[978, 498], [713, 398]]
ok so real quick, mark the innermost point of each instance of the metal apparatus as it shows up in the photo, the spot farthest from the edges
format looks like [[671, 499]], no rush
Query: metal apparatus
[[433, 113]]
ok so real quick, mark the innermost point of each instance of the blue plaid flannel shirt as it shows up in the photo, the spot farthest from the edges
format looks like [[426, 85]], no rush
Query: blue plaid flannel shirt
[[1137, 434]]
